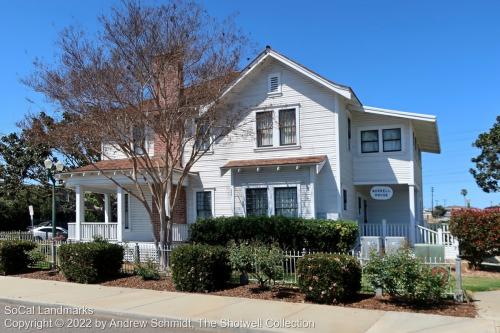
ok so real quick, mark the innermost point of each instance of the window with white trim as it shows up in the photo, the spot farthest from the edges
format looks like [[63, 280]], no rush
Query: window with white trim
[[369, 141], [256, 201], [277, 128], [285, 201], [204, 204], [203, 137], [138, 140], [392, 139], [287, 126], [274, 83], [264, 121], [126, 208]]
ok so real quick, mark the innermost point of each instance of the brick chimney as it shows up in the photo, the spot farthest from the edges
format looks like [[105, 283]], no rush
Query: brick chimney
[[171, 82]]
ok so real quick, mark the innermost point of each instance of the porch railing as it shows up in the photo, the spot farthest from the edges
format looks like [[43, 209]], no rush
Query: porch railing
[[89, 230], [384, 229], [109, 231]]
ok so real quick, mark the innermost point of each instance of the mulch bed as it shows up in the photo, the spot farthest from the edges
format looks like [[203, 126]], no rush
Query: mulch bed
[[287, 294]]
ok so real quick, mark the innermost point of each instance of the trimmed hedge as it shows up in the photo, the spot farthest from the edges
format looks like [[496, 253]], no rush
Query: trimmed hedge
[[90, 262], [200, 267], [15, 256], [288, 233], [329, 278]]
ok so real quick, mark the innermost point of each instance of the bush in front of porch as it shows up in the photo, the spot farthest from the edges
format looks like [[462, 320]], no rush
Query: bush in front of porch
[[402, 275], [329, 278], [90, 262], [289, 233], [200, 267]]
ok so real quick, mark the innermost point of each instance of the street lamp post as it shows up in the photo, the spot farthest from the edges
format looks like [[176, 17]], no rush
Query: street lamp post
[[50, 166]]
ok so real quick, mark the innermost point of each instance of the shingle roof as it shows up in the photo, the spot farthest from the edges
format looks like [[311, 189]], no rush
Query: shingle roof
[[108, 165], [275, 161]]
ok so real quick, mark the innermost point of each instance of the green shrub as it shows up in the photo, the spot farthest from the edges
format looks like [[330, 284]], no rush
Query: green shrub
[[402, 275], [14, 256], [148, 270], [329, 278], [267, 264], [478, 233], [90, 262], [241, 259], [37, 259], [288, 233], [200, 267]]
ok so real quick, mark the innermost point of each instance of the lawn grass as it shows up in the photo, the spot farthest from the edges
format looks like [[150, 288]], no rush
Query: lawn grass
[[480, 283]]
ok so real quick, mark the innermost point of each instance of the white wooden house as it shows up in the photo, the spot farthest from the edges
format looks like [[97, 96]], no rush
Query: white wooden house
[[310, 148]]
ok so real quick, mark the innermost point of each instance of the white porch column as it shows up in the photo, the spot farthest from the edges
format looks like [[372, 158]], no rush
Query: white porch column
[[120, 207], [312, 181], [107, 208], [411, 199], [79, 211]]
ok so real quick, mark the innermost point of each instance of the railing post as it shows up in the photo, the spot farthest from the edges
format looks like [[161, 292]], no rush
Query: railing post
[[384, 228], [459, 293], [440, 236], [137, 254]]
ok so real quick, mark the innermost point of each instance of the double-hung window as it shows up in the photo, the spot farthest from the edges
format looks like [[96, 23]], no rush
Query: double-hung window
[[287, 127], [264, 122], [256, 201], [369, 141], [349, 134], [204, 204], [203, 137], [392, 139], [285, 201], [138, 140]]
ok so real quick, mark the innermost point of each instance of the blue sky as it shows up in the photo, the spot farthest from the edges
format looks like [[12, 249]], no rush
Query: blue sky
[[437, 57]]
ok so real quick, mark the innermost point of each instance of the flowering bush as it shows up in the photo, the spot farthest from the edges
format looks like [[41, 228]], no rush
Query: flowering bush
[[329, 278], [403, 275], [478, 232]]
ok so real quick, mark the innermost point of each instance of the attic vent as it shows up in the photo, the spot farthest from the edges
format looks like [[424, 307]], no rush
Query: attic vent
[[274, 84]]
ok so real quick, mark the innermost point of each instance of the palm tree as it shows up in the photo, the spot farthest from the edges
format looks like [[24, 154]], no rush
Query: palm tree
[[464, 193]]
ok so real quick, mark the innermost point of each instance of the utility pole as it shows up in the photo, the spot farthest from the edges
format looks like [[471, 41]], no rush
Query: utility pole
[[432, 200]]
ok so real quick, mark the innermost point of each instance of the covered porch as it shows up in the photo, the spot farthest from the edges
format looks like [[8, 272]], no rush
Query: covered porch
[[122, 216], [389, 211]]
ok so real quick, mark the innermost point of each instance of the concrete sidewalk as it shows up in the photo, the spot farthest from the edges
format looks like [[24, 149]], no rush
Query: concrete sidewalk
[[217, 309], [488, 305]]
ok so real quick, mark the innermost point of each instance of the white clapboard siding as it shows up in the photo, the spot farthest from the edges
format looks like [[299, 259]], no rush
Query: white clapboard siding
[[317, 129]]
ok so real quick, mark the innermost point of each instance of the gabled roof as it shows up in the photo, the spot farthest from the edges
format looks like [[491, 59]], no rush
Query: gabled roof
[[340, 89]]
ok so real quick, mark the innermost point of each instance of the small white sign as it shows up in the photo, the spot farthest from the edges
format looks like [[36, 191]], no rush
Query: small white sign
[[381, 192], [32, 212]]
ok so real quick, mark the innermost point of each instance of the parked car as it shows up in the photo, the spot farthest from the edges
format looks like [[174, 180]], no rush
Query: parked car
[[45, 232]]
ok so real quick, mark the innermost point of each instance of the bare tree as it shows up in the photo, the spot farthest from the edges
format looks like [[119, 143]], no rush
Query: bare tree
[[151, 72]]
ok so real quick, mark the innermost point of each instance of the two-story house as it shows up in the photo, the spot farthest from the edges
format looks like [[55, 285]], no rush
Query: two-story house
[[306, 146]]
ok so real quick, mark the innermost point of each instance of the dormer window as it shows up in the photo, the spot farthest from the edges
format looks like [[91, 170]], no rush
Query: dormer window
[[138, 140], [274, 83]]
